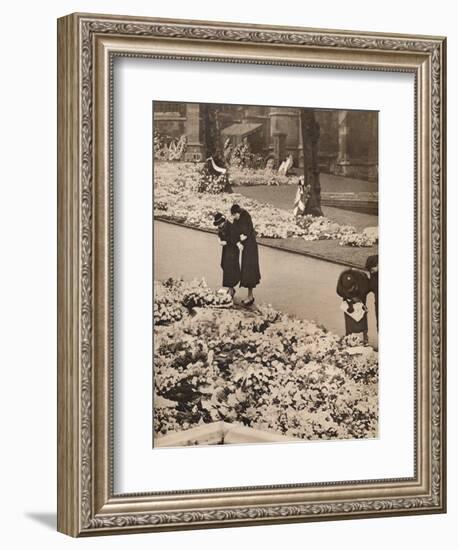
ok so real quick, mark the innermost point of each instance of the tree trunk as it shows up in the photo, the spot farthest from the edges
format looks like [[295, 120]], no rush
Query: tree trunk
[[310, 137], [212, 132]]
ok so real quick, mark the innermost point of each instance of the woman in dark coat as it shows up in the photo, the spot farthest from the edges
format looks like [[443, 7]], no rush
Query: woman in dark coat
[[353, 287], [230, 256], [250, 272]]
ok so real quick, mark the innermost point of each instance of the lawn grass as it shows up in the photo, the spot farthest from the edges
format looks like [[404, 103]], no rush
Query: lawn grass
[[329, 250]]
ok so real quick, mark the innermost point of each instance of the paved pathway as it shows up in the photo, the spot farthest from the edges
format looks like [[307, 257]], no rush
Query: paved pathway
[[296, 284]]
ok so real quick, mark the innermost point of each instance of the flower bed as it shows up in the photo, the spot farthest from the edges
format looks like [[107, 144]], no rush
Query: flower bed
[[174, 298], [368, 237], [262, 369], [168, 173], [178, 197], [248, 177]]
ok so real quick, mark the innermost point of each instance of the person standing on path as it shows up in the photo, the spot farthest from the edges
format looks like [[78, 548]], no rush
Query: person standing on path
[[300, 199], [372, 267], [230, 255], [250, 272], [353, 287]]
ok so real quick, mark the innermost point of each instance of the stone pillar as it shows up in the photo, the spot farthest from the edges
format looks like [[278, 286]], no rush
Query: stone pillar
[[259, 115], [254, 113], [285, 120], [357, 145], [343, 160], [279, 140], [372, 160], [195, 150]]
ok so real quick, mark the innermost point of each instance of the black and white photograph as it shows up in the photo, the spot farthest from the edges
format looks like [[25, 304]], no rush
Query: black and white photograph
[[265, 274]]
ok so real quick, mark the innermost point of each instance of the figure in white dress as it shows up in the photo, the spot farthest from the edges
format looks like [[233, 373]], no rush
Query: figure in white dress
[[286, 165], [301, 198]]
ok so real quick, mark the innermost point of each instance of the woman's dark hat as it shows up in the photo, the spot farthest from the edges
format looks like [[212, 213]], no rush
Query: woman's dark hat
[[371, 262], [348, 280], [218, 218]]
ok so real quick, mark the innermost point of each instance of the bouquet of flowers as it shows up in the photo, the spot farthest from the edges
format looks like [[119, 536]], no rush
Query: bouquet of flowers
[[199, 294], [167, 307], [212, 184]]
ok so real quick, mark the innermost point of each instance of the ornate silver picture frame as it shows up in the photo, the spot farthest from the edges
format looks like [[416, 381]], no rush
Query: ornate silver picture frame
[[87, 47]]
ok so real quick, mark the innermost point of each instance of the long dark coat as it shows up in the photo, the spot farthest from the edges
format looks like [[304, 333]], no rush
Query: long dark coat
[[250, 272], [230, 255], [357, 294]]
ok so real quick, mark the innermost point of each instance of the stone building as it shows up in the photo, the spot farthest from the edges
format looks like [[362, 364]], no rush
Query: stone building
[[348, 144]]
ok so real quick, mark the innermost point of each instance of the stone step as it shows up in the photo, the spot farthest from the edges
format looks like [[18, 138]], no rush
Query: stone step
[[219, 433]]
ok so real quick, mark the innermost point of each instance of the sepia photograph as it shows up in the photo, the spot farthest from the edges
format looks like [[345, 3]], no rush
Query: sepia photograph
[[265, 274]]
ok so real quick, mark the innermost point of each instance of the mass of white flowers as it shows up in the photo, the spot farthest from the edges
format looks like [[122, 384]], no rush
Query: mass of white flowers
[[249, 177], [178, 196], [174, 298], [259, 368]]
